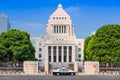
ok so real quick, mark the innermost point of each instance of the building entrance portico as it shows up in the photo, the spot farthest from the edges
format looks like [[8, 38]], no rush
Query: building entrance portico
[[60, 53]]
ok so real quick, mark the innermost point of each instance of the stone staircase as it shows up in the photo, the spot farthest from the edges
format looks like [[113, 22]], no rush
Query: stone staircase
[[59, 65]]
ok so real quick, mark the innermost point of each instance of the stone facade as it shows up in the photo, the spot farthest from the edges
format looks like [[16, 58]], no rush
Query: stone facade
[[59, 46]]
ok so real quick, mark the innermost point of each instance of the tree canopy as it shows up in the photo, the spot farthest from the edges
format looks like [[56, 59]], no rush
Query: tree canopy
[[104, 46], [15, 46]]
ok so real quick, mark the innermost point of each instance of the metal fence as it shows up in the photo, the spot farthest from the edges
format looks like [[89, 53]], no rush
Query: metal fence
[[10, 67], [109, 66]]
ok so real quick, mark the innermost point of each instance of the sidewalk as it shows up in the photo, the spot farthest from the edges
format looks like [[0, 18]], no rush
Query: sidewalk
[[42, 73], [98, 74]]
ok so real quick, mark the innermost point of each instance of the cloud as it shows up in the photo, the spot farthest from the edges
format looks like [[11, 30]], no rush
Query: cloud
[[32, 25], [73, 10], [35, 29], [92, 33]]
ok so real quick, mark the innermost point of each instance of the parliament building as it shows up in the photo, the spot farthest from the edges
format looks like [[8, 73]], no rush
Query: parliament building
[[59, 46]]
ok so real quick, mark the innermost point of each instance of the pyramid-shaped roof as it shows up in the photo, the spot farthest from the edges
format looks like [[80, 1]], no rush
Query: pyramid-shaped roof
[[60, 11]]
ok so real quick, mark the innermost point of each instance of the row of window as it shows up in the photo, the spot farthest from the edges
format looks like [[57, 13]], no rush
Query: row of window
[[65, 57], [60, 49], [79, 49], [59, 39], [59, 28], [59, 18], [65, 47]]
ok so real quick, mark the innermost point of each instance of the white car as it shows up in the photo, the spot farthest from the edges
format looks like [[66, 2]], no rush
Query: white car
[[63, 71]]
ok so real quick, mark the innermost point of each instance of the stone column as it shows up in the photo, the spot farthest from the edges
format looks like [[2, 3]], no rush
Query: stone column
[[57, 54], [67, 29], [46, 59], [57, 28], [52, 54], [67, 54], [76, 66], [63, 28], [62, 56], [73, 53]]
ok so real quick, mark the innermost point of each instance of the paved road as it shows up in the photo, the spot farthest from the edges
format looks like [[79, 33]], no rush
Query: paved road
[[45, 77]]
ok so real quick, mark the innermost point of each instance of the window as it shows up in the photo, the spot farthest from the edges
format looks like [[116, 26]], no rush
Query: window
[[59, 17], [65, 49], [49, 58], [79, 55], [54, 58], [65, 18], [64, 29], [64, 58], [39, 59], [79, 59], [53, 18], [55, 29], [70, 50], [79, 49], [49, 50], [49, 47], [40, 55], [62, 18], [70, 58], [40, 49], [56, 17], [59, 58], [54, 49], [59, 29], [60, 52]]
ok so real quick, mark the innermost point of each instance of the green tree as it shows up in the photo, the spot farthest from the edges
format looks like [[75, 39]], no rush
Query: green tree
[[15, 46], [104, 46], [87, 51], [49, 66], [71, 66]]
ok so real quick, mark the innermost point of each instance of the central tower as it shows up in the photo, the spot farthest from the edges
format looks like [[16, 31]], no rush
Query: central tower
[[60, 24]]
